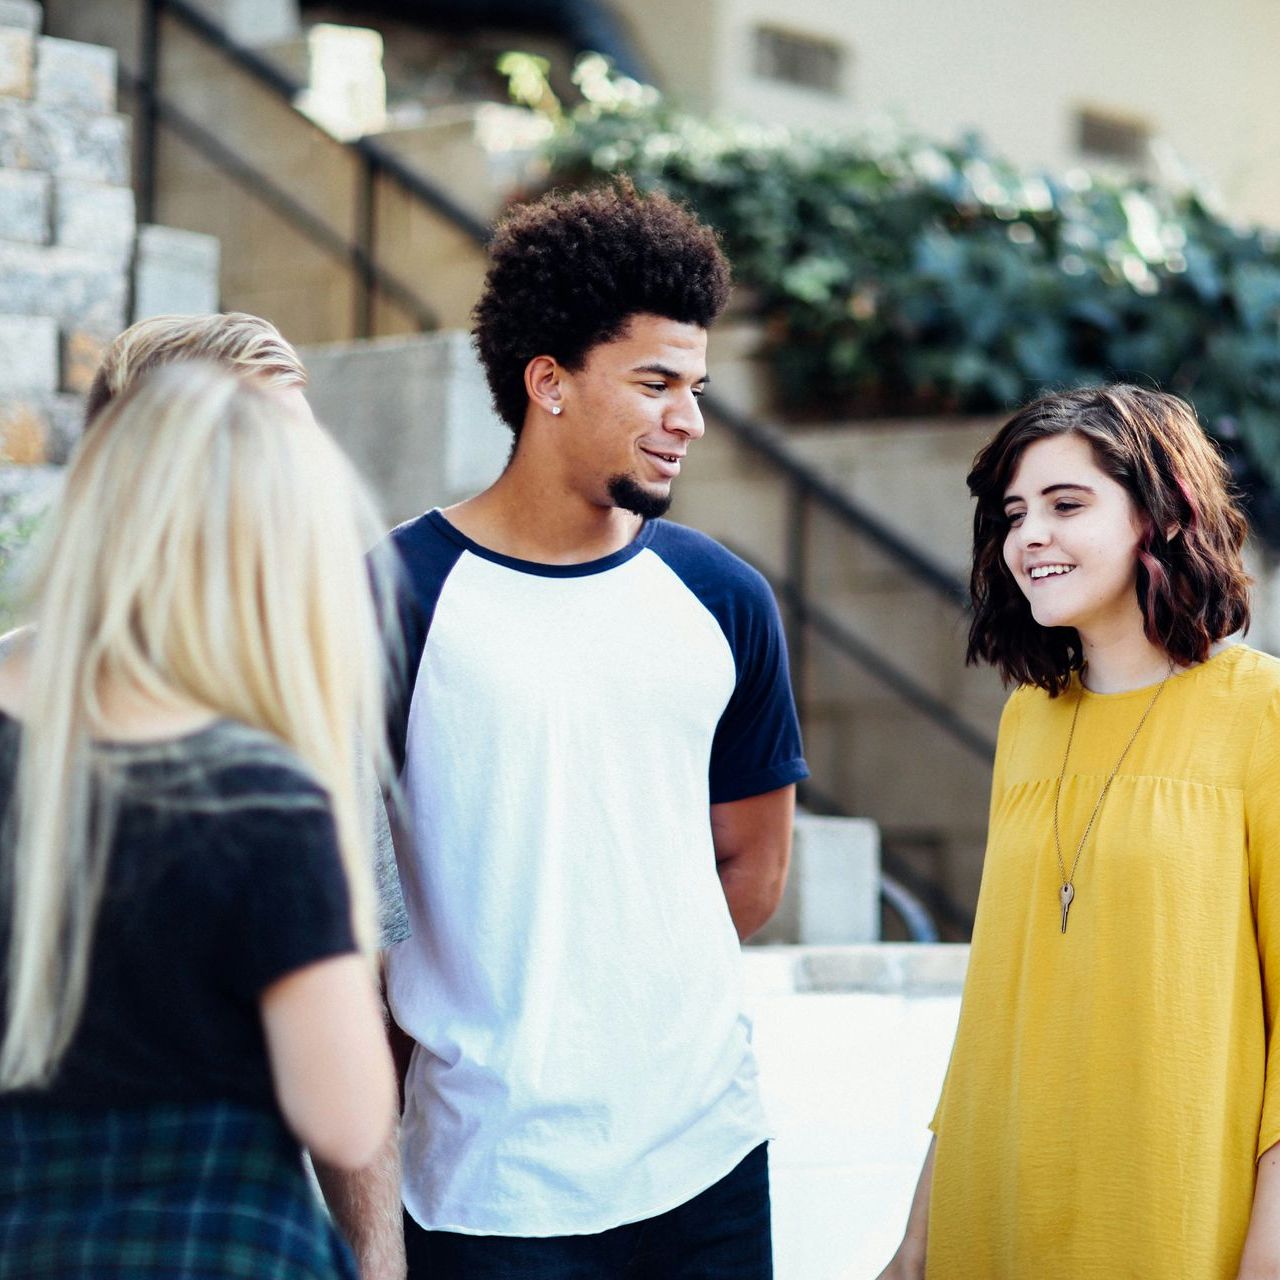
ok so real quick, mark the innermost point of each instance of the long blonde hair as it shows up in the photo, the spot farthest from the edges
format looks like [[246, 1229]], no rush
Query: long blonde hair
[[210, 544]]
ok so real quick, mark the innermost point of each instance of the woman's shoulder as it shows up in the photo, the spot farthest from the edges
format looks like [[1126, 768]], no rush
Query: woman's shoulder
[[1238, 685], [1249, 669], [1027, 700], [227, 766]]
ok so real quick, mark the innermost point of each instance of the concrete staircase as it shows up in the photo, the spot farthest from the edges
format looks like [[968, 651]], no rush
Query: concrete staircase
[[927, 793], [262, 163]]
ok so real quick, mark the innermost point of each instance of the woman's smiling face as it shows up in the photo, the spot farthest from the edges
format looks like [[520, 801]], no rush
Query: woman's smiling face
[[1073, 538]]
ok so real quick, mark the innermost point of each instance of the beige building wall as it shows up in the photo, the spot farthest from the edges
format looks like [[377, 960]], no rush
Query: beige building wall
[[1201, 78]]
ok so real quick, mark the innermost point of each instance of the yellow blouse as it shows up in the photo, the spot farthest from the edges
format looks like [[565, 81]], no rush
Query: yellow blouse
[[1110, 1087]]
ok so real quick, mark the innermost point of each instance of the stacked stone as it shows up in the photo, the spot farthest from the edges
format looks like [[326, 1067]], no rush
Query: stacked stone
[[67, 228]]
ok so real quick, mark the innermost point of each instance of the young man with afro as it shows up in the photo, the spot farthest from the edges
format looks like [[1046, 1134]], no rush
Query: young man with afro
[[600, 757]]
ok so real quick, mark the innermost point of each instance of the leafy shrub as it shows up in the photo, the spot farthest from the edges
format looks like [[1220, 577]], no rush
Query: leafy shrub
[[898, 276], [20, 522]]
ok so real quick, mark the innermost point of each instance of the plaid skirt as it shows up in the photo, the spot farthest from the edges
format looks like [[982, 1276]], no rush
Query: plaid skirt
[[201, 1192]]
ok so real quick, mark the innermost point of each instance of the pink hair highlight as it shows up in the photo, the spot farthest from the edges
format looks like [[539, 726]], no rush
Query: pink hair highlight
[[1157, 577], [1189, 497]]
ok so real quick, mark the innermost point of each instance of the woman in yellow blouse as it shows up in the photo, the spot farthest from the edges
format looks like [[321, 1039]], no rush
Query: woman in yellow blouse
[[1112, 1107]]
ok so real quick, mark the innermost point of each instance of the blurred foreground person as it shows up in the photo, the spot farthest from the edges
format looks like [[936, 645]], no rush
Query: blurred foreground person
[[253, 349], [1113, 1100], [366, 1204], [186, 886]]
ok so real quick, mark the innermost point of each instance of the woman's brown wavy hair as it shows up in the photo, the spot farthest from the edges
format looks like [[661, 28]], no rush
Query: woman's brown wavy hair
[[1192, 586]]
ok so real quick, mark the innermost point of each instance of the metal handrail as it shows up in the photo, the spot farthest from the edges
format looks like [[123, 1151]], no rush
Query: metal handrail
[[836, 633], [764, 440], [379, 157], [909, 909], [376, 161], [275, 197], [931, 899], [769, 443], [911, 691]]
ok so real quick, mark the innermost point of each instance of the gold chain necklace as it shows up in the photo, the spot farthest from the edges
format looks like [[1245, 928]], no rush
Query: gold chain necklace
[[1067, 893]]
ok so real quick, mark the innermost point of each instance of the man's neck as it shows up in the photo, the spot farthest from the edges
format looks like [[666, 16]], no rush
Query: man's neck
[[520, 515]]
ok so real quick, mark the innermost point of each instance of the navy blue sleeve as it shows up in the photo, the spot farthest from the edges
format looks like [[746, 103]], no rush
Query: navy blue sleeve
[[426, 554], [757, 741]]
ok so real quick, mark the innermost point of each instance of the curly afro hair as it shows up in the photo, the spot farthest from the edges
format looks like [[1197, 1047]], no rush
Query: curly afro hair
[[569, 270]]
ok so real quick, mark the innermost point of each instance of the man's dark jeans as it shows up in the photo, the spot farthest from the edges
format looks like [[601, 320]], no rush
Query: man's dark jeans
[[722, 1234]]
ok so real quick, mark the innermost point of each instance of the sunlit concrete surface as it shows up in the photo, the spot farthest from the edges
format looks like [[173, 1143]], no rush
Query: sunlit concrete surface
[[852, 1043]]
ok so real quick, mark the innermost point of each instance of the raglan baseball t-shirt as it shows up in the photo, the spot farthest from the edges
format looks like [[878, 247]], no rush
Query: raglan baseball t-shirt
[[573, 977]]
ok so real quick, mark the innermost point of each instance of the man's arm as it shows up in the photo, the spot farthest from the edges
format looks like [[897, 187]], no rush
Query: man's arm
[[752, 839], [366, 1204], [366, 1209]]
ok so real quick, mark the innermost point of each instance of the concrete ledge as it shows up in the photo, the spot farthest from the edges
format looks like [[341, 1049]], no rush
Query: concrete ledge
[[82, 353], [885, 968], [253, 22], [175, 272], [94, 217], [75, 288], [72, 74], [25, 15], [64, 141], [24, 206], [414, 414], [17, 63], [39, 428], [28, 353], [832, 896]]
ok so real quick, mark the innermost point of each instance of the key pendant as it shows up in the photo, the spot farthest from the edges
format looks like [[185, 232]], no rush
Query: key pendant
[[1065, 895]]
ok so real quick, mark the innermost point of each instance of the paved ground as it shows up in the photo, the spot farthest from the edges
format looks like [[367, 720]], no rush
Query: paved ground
[[850, 1080]]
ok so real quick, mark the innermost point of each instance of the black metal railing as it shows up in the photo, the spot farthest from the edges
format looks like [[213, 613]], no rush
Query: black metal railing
[[358, 253], [808, 491], [916, 900], [373, 277]]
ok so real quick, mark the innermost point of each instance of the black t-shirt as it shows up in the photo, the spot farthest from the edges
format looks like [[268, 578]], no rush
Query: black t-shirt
[[223, 876]]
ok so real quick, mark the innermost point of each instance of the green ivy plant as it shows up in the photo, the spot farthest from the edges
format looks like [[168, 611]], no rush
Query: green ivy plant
[[18, 528], [899, 276]]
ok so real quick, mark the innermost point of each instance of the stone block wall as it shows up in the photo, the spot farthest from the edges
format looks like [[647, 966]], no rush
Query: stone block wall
[[75, 268], [67, 228]]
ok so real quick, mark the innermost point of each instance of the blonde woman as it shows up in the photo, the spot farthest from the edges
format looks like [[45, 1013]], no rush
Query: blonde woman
[[186, 887]]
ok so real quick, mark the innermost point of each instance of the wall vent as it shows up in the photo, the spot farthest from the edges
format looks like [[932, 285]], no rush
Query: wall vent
[[810, 62], [1102, 135]]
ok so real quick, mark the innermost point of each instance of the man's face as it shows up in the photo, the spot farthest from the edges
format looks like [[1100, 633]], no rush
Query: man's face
[[631, 412]]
